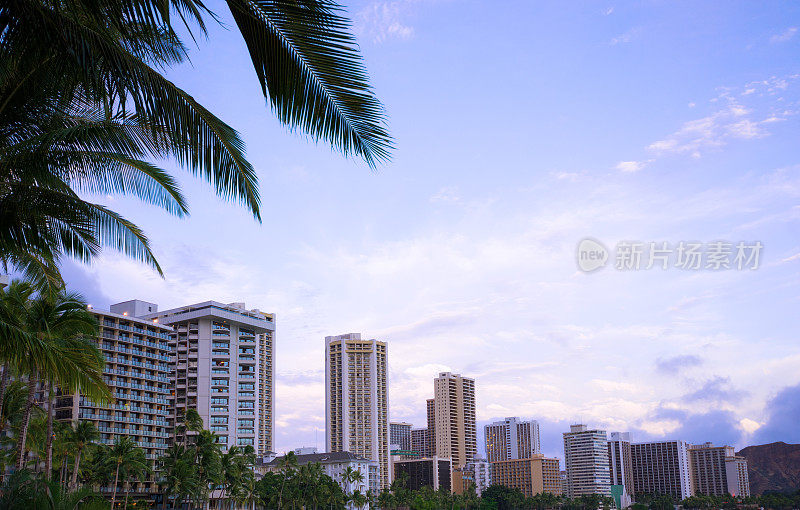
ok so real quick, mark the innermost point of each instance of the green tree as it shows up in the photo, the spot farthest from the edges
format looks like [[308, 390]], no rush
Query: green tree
[[179, 475], [61, 354], [81, 435], [125, 459]]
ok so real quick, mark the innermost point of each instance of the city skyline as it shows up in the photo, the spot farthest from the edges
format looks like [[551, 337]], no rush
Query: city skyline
[[460, 253]]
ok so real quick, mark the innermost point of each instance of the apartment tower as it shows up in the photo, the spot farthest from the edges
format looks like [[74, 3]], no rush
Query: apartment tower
[[357, 401], [586, 461], [619, 461], [137, 369], [717, 470], [454, 418], [224, 369], [662, 467], [512, 438]]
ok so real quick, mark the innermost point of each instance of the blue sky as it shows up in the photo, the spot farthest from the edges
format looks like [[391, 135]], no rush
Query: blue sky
[[521, 128]]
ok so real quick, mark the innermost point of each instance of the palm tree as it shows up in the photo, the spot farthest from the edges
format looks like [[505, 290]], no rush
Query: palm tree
[[15, 340], [66, 356], [93, 66], [179, 474], [83, 433], [125, 458], [62, 354], [358, 499], [288, 465]]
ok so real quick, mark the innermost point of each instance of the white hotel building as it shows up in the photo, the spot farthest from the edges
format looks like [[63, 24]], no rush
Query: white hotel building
[[224, 368]]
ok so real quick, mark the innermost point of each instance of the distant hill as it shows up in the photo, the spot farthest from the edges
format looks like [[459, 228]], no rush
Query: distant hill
[[773, 467]]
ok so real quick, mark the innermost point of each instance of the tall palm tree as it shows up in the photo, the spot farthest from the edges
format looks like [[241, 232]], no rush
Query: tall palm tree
[[82, 434], [124, 458], [179, 475], [62, 355], [105, 57], [288, 465]]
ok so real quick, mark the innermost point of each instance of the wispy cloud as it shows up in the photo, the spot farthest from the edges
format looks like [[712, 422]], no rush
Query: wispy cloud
[[626, 37], [739, 114], [381, 21], [675, 364], [784, 36], [448, 194]]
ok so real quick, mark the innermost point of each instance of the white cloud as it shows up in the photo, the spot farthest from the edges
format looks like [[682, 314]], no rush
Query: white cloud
[[784, 36], [630, 166]]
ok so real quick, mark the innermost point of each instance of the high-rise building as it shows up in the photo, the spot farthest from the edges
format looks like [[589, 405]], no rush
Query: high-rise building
[[224, 369], [533, 475], [400, 435], [619, 462], [357, 401], [717, 470], [586, 461], [430, 409], [512, 438], [137, 370], [421, 442], [454, 418], [662, 467]]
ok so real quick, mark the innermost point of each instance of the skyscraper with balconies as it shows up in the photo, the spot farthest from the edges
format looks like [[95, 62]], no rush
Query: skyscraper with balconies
[[356, 399], [137, 370], [454, 431], [662, 467], [224, 368], [586, 461], [717, 470]]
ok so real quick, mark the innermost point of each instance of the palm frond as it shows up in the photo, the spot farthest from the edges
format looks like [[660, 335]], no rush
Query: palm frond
[[310, 69]]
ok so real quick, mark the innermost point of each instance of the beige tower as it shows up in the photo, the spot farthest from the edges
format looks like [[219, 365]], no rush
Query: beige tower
[[454, 410], [357, 402]]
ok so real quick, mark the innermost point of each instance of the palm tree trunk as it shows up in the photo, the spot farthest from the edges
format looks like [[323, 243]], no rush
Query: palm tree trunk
[[114, 489], [3, 385], [73, 481], [127, 491], [48, 463], [26, 420]]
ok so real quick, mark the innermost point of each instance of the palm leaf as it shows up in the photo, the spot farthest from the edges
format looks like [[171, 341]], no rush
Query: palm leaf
[[310, 69]]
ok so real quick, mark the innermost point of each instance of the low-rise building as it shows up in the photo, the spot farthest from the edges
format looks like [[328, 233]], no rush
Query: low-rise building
[[534, 475], [431, 472], [334, 465]]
